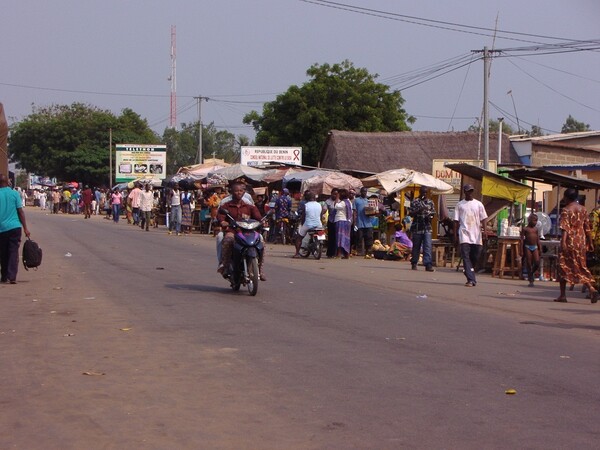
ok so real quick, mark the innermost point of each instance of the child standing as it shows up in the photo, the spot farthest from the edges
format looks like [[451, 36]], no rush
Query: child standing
[[532, 246]]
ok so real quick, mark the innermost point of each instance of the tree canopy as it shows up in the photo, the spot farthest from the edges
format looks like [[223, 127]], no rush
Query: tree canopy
[[182, 145], [70, 142], [573, 126], [494, 127], [337, 97]]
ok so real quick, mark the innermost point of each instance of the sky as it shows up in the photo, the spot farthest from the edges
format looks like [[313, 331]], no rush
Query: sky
[[116, 54]]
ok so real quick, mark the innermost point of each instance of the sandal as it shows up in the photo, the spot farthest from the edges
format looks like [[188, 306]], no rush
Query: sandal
[[595, 297]]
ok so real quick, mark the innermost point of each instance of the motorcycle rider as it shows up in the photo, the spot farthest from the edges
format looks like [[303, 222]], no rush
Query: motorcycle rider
[[311, 215], [239, 210]]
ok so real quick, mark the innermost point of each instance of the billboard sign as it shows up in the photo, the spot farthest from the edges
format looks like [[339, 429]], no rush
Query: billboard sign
[[451, 177], [135, 161], [255, 156]]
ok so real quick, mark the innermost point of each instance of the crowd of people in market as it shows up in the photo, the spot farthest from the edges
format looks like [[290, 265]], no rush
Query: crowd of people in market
[[350, 219]]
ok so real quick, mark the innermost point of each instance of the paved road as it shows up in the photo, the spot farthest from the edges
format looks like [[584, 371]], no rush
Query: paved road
[[132, 341]]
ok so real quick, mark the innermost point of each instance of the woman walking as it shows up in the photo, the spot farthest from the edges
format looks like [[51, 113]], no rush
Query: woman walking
[[343, 224], [331, 238], [116, 200], [576, 239], [186, 212]]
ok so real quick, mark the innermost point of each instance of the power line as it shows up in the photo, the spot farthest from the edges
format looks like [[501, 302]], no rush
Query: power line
[[511, 117], [552, 89], [440, 24]]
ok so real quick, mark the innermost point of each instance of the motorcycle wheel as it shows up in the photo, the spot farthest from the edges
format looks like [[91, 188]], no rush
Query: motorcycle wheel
[[235, 281], [252, 275], [304, 251], [318, 250], [283, 235]]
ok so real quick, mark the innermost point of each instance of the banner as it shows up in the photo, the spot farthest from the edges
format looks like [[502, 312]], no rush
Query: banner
[[453, 178], [255, 156], [135, 161]]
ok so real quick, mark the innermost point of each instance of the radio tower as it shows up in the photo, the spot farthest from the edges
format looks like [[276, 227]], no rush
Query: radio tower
[[173, 79]]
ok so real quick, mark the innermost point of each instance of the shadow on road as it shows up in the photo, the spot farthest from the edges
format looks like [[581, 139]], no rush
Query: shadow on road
[[566, 326], [196, 288]]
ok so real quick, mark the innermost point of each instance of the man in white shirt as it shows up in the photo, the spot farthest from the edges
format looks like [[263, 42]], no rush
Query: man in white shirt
[[146, 203], [134, 198], [175, 217], [311, 218], [469, 231]]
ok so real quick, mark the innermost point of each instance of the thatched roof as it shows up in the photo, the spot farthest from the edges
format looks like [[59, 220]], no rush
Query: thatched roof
[[377, 152]]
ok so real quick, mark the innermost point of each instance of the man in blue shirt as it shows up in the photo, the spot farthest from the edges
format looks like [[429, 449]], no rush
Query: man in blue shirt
[[12, 218], [363, 223], [283, 205]]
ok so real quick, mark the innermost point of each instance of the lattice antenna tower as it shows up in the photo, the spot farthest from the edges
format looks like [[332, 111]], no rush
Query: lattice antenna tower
[[173, 79]]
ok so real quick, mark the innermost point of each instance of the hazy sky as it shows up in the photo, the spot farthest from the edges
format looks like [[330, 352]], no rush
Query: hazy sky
[[115, 54]]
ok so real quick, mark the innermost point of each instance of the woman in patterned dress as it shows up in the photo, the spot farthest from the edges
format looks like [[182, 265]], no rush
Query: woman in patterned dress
[[576, 239]]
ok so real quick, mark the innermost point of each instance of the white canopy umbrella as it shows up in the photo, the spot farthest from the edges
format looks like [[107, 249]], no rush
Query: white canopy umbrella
[[238, 171], [323, 181], [398, 179]]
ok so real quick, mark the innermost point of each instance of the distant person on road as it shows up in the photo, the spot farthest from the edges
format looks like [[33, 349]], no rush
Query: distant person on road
[[12, 219], [343, 224], [310, 218], [331, 238], [575, 240], [115, 200], [134, 200], [422, 211], [174, 200], [532, 247], [364, 225], [146, 203], [469, 232], [87, 197]]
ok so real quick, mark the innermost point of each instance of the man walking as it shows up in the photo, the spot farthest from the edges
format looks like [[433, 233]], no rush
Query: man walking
[[364, 234], [469, 231], [134, 197], [422, 210], [175, 217], [146, 202], [12, 218]]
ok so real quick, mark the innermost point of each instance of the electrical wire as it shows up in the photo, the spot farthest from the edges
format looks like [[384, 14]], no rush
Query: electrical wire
[[512, 118], [440, 24], [555, 69], [460, 94], [552, 89]]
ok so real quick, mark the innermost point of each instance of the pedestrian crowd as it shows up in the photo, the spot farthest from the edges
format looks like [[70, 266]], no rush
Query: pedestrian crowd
[[350, 221]]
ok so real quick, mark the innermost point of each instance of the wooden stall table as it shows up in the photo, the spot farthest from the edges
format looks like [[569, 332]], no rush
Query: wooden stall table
[[443, 252], [514, 267]]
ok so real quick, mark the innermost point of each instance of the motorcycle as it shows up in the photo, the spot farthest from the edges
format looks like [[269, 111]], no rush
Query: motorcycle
[[247, 247], [314, 246]]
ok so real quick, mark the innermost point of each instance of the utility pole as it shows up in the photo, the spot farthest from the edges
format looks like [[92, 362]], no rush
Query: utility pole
[[173, 79], [199, 157], [500, 120], [110, 158], [486, 109]]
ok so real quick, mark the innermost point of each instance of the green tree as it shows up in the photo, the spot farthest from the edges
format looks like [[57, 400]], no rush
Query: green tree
[[494, 126], [70, 142], [573, 126], [339, 97], [536, 131], [182, 145]]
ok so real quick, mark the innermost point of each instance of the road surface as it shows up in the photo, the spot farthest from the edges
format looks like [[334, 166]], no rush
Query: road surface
[[129, 339]]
